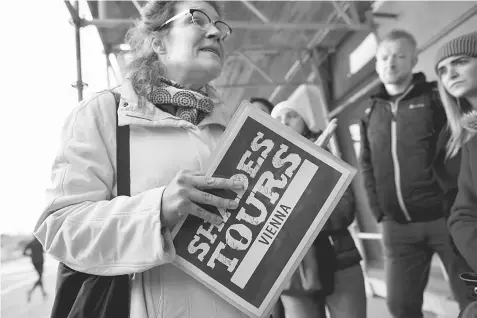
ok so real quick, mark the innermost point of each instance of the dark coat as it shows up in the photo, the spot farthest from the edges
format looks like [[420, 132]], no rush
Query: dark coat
[[398, 148], [463, 217]]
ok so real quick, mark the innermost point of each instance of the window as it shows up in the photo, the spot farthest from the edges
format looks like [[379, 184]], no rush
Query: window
[[362, 54]]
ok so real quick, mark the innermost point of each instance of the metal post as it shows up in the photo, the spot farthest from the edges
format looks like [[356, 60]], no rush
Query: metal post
[[79, 80], [108, 80]]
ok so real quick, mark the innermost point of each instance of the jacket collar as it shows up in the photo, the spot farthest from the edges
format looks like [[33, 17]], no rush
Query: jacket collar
[[419, 85], [135, 110]]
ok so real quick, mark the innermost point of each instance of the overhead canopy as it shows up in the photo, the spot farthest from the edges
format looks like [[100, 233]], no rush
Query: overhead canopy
[[275, 45]]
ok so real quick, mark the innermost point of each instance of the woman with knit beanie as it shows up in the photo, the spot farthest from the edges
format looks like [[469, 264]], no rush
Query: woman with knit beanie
[[456, 67], [339, 285]]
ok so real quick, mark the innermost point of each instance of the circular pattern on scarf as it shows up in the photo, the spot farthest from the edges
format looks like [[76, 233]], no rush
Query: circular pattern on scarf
[[189, 114], [184, 98], [192, 106], [160, 96], [206, 105]]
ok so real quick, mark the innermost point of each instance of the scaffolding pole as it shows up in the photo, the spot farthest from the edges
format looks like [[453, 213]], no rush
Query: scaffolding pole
[[79, 78], [76, 21]]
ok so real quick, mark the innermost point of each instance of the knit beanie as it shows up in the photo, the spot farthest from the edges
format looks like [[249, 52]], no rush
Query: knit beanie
[[463, 45], [304, 102]]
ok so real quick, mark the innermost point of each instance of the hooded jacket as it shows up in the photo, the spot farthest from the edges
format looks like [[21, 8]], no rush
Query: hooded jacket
[[398, 151], [88, 228]]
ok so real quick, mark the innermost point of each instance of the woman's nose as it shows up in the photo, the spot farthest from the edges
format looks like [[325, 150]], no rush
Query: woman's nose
[[391, 63], [453, 72], [213, 31]]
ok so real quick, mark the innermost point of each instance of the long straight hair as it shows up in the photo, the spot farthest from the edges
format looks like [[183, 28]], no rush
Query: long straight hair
[[460, 116]]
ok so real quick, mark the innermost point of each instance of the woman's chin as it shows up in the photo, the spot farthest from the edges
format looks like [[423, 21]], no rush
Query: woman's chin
[[212, 70], [458, 92]]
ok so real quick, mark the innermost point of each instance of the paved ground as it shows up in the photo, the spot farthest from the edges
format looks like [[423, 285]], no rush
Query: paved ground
[[17, 278]]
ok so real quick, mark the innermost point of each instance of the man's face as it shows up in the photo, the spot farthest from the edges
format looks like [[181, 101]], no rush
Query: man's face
[[395, 60], [261, 106]]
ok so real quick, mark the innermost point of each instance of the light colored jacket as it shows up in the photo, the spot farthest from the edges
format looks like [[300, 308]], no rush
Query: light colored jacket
[[89, 229]]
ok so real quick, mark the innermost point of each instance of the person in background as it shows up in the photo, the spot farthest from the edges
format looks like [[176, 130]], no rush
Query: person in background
[[340, 276], [262, 103], [456, 67], [35, 251], [399, 136], [175, 120]]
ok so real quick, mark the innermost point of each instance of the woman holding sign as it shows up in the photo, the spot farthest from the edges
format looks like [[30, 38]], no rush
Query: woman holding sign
[[175, 120], [338, 282]]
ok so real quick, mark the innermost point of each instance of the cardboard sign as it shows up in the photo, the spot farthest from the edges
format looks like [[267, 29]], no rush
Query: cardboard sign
[[292, 186]]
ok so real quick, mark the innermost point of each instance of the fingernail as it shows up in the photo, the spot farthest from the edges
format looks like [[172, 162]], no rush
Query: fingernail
[[239, 184], [233, 204], [218, 220]]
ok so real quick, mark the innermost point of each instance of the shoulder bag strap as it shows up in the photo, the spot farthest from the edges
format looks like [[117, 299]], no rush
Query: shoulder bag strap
[[122, 154]]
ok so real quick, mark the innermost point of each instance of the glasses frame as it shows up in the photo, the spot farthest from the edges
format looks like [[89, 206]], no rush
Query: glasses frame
[[191, 13]]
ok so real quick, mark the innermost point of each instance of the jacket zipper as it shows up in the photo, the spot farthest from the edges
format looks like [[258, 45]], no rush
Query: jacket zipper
[[394, 154]]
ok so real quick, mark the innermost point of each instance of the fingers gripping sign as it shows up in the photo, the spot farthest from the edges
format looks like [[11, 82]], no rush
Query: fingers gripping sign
[[187, 190]]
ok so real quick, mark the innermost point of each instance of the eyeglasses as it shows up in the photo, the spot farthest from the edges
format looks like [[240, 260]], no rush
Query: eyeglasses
[[203, 22]]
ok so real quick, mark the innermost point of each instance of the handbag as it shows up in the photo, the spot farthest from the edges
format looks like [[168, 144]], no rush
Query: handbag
[[81, 295], [305, 279], [315, 273]]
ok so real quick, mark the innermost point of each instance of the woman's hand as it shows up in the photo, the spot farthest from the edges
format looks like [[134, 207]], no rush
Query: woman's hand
[[185, 190]]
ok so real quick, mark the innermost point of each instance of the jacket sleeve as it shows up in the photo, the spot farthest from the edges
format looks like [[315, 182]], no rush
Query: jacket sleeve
[[440, 117], [446, 170], [83, 226], [463, 218], [367, 171], [344, 213]]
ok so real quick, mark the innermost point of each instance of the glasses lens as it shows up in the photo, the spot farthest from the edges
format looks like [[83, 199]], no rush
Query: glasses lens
[[201, 19], [224, 29]]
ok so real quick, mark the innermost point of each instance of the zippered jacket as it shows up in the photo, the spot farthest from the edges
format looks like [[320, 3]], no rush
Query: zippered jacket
[[398, 151], [86, 226]]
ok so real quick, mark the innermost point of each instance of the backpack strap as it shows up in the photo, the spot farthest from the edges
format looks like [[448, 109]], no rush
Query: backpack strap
[[122, 154]]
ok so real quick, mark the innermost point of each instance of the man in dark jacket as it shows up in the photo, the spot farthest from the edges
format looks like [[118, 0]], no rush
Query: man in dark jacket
[[399, 136]]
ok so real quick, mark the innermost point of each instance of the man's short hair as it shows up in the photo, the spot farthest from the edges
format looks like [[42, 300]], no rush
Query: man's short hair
[[397, 34], [263, 101]]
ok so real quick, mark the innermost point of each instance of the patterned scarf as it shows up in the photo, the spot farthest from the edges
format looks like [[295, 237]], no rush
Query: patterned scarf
[[190, 105]]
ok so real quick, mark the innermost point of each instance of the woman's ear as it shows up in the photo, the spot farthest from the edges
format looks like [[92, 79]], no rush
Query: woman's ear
[[158, 46]]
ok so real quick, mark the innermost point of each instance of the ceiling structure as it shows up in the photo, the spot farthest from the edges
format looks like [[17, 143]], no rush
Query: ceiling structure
[[275, 45]]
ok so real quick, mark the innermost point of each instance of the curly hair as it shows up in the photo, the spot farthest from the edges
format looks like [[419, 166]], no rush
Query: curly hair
[[144, 67]]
